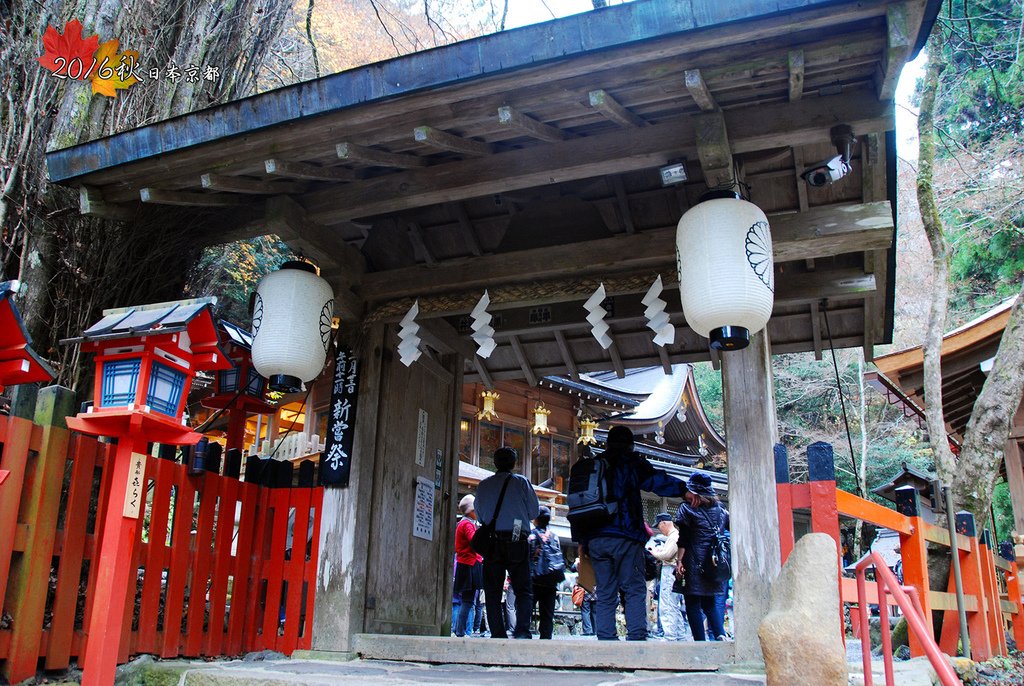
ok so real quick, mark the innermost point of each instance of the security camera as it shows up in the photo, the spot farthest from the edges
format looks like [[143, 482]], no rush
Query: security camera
[[831, 170], [826, 172]]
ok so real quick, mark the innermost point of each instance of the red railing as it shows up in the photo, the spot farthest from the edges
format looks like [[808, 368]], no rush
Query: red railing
[[223, 566], [908, 601]]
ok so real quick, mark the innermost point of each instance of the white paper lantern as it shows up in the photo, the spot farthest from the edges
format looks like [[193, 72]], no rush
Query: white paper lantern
[[726, 274], [291, 325]]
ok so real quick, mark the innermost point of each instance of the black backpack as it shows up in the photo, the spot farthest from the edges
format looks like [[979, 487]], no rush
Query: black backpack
[[718, 565], [591, 506]]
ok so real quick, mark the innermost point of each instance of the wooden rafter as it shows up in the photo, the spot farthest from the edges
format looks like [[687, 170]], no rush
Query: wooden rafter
[[899, 43], [796, 74], [416, 237], [371, 157], [614, 111], [524, 363], [237, 184], [466, 228], [304, 170], [512, 118], [623, 202], [699, 91], [563, 348], [443, 140], [158, 196], [617, 151], [801, 185], [91, 202], [666, 364], [481, 369], [714, 150], [613, 352]]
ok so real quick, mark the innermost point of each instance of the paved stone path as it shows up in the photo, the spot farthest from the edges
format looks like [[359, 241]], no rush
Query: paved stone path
[[381, 673]]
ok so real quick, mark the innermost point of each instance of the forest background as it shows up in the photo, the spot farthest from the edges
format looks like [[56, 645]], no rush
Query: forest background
[[74, 266]]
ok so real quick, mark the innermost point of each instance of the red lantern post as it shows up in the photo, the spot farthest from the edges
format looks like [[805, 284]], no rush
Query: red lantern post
[[146, 358]]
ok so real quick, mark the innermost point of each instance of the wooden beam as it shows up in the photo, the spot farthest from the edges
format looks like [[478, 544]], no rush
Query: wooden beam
[[713, 149], [666, 364], [872, 164], [796, 75], [443, 140], [304, 170], [466, 228], [416, 237], [512, 118], [158, 196], [613, 351], [898, 46], [623, 202], [804, 289], [371, 157], [91, 202], [443, 337], [820, 232], [699, 91], [237, 184], [801, 185], [524, 363], [570, 364], [604, 103], [481, 369], [716, 359], [776, 125], [816, 329]]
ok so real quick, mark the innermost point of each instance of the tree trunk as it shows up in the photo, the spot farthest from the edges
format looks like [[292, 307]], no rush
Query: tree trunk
[[944, 462]]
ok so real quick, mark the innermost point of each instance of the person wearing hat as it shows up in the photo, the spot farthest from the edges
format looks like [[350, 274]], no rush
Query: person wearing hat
[[616, 550], [469, 575], [700, 517], [547, 569], [671, 611]]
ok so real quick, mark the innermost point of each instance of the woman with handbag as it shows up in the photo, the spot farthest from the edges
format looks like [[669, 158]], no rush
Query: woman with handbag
[[468, 565], [547, 569]]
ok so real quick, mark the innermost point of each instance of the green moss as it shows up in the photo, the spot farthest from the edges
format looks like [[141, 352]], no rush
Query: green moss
[[162, 675]]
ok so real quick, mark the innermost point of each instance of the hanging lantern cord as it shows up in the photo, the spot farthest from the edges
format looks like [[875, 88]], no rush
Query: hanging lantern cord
[[842, 402], [209, 422]]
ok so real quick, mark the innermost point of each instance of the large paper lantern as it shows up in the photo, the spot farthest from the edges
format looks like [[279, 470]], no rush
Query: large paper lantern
[[726, 275], [291, 326]]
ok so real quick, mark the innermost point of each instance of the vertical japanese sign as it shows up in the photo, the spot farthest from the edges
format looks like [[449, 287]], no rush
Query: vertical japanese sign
[[421, 438], [423, 509], [336, 459], [134, 492]]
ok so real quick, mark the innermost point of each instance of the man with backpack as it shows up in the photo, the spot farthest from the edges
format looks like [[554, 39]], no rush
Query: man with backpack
[[607, 518]]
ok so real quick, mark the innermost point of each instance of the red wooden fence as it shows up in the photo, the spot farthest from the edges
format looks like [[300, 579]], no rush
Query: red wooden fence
[[224, 566], [991, 584]]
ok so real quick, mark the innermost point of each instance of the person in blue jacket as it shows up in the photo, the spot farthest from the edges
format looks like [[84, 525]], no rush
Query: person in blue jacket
[[616, 550]]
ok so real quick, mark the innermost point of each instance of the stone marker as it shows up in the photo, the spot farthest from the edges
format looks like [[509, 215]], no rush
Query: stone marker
[[802, 635]]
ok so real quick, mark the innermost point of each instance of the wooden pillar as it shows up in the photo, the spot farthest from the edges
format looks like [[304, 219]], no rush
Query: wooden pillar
[[749, 401], [914, 551], [1015, 480], [340, 605]]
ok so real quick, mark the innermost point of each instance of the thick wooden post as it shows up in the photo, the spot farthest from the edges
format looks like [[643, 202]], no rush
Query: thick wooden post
[[749, 400], [971, 571], [784, 495], [340, 605], [30, 573], [115, 575], [991, 591], [1015, 480], [914, 551]]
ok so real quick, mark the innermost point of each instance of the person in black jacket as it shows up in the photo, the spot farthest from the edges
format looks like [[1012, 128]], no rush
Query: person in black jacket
[[547, 568], [699, 517]]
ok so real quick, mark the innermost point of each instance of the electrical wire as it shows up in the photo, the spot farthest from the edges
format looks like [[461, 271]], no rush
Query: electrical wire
[[842, 402], [291, 428]]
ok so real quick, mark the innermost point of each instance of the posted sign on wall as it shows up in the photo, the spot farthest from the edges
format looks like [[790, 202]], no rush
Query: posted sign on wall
[[336, 459]]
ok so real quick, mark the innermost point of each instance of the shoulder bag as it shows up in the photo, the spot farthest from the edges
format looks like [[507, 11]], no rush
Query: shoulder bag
[[484, 540]]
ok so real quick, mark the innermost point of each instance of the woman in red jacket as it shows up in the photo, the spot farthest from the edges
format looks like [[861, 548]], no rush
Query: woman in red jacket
[[468, 565]]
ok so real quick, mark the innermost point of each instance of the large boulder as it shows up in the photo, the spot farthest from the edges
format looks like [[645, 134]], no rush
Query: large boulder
[[802, 635]]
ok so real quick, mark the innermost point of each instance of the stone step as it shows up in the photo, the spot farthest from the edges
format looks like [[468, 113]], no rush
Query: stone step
[[392, 673], [676, 656]]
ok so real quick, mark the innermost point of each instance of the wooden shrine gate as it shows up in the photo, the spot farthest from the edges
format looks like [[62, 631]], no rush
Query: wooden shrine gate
[[992, 590], [205, 536]]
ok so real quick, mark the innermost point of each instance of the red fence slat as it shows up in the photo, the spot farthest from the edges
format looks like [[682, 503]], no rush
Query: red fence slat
[[155, 558], [177, 573]]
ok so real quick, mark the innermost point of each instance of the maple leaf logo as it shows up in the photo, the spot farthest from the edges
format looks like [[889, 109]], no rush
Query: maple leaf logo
[[69, 54], [114, 69]]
